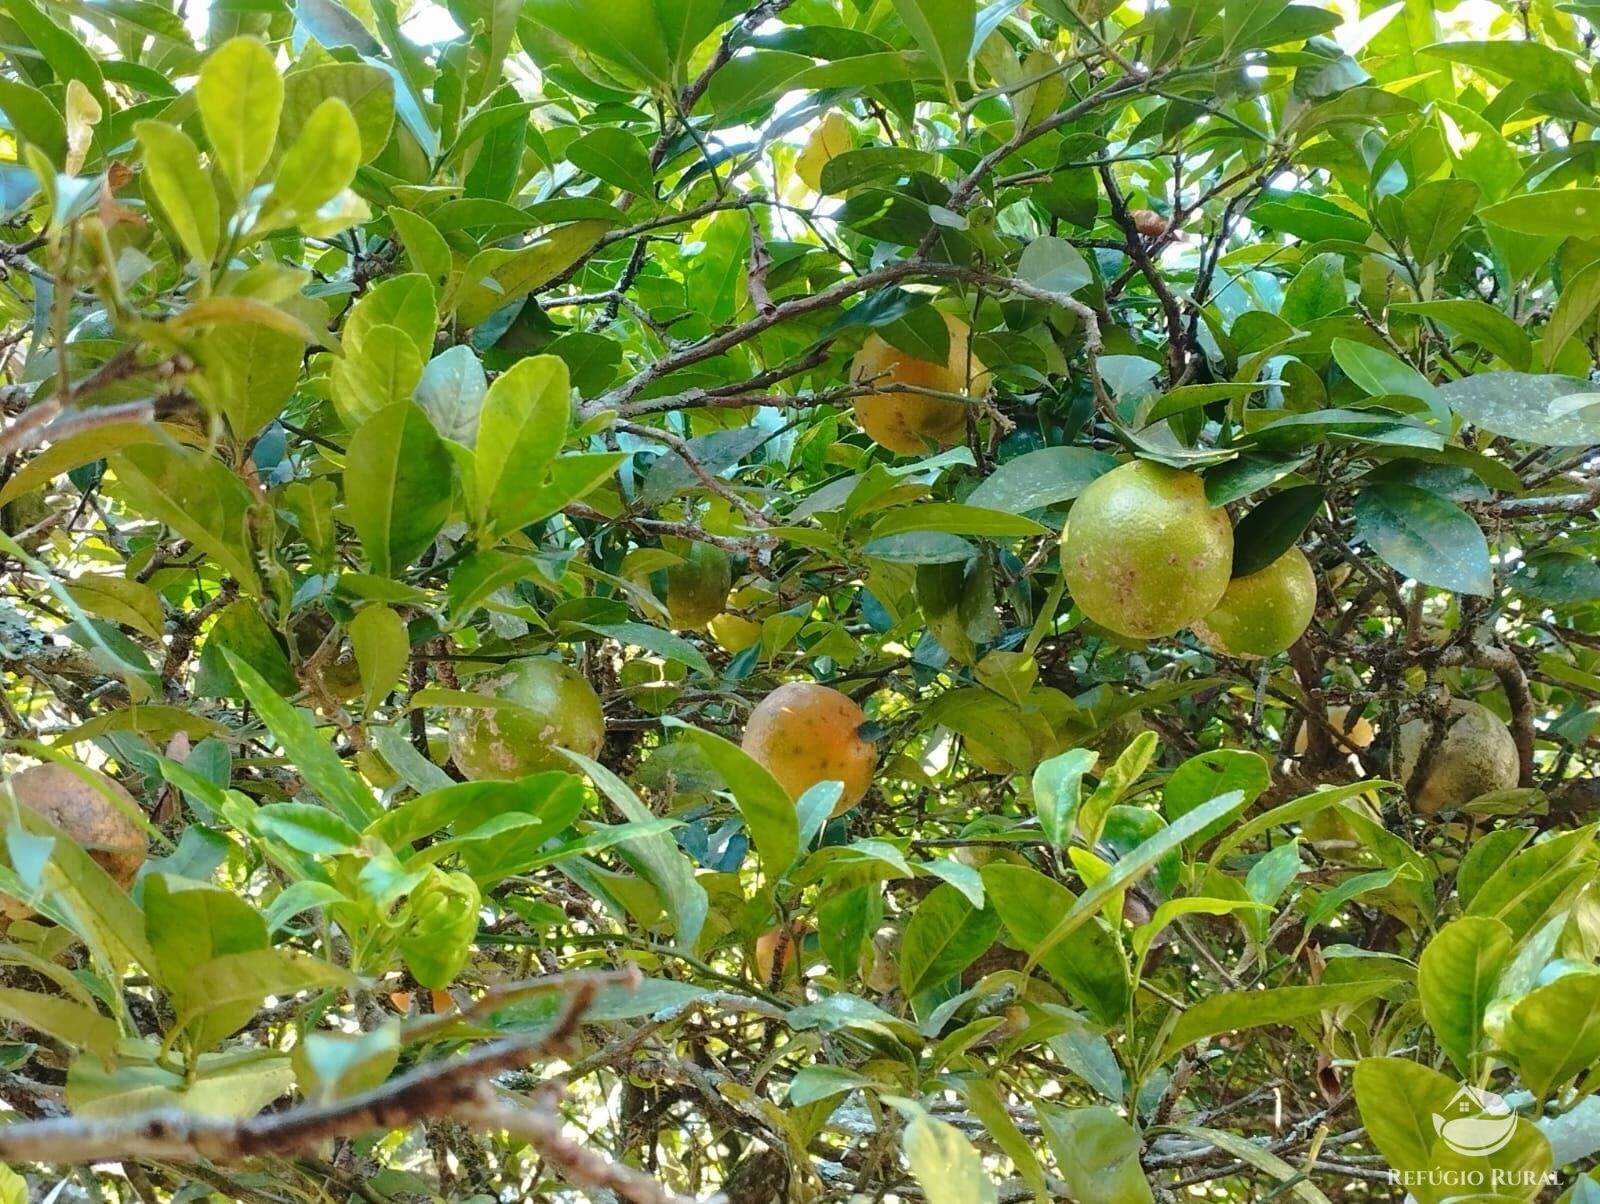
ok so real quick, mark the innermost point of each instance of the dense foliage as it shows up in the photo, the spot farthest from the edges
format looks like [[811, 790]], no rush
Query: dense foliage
[[356, 354]]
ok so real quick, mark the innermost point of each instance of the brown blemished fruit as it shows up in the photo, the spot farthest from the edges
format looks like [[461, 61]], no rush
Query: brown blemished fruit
[[102, 828], [553, 707], [804, 733], [767, 951], [1476, 756], [1264, 612], [1149, 223], [1359, 736], [1144, 553], [697, 586], [832, 137], [911, 423]]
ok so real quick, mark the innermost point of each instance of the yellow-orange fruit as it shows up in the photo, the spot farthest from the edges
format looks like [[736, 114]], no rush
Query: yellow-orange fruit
[[804, 734], [912, 422], [102, 828], [1359, 736], [1263, 613], [828, 141], [767, 950]]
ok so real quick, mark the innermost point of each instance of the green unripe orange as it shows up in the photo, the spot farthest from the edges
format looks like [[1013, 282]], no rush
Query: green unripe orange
[[697, 586], [1144, 553], [549, 707]]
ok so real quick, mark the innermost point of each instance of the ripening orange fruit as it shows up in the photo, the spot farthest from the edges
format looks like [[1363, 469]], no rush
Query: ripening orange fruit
[[767, 951], [804, 733], [109, 833]]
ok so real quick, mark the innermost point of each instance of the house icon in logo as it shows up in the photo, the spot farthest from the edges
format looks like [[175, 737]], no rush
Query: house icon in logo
[[1475, 1123]]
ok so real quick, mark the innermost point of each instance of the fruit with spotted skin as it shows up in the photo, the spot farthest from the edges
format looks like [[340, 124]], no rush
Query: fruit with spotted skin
[[805, 733], [105, 829], [697, 586], [549, 707], [1264, 612], [1476, 756], [910, 423], [1144, 554]]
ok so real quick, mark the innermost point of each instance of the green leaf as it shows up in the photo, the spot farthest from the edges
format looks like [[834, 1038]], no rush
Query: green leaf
[[314, 760], [1054, 264], [657, 856], [397, 485], [1481, 323], [240, 95], [1088, 961], [1573, 212], [1553, 1033], [944, 29], [1456, 978], [1134, 865], [1380, 373], [378, 635], [1252, 1153], [250, 373], [172, 167], [768, 810], [1435, 212], [1056, 783], [1097, 1153], [1424, 536], [319, 165], [1398, 1101], [1040, 478], [198, 497], [380, 370], [521, 428], [1273, 527], [74, 1024], [1515, 60], [956, 519], [1579, 297], [1525, 407], [616, 157], [1229, 1011], [943, 1162], [1317, 290], [367, 90], [944, 936], [497, 276]]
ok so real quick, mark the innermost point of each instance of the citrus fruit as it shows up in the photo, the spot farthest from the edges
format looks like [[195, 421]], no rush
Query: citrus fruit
[[1359, 734], [106, 831], [1144, 553], [804, 734], [1263, 613], [697, 586], [768, 946], [551, 707], [910, 422], [1477, 755], [828, 141]]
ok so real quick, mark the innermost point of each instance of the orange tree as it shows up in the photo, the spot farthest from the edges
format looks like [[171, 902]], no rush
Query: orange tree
[[430, 432]]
